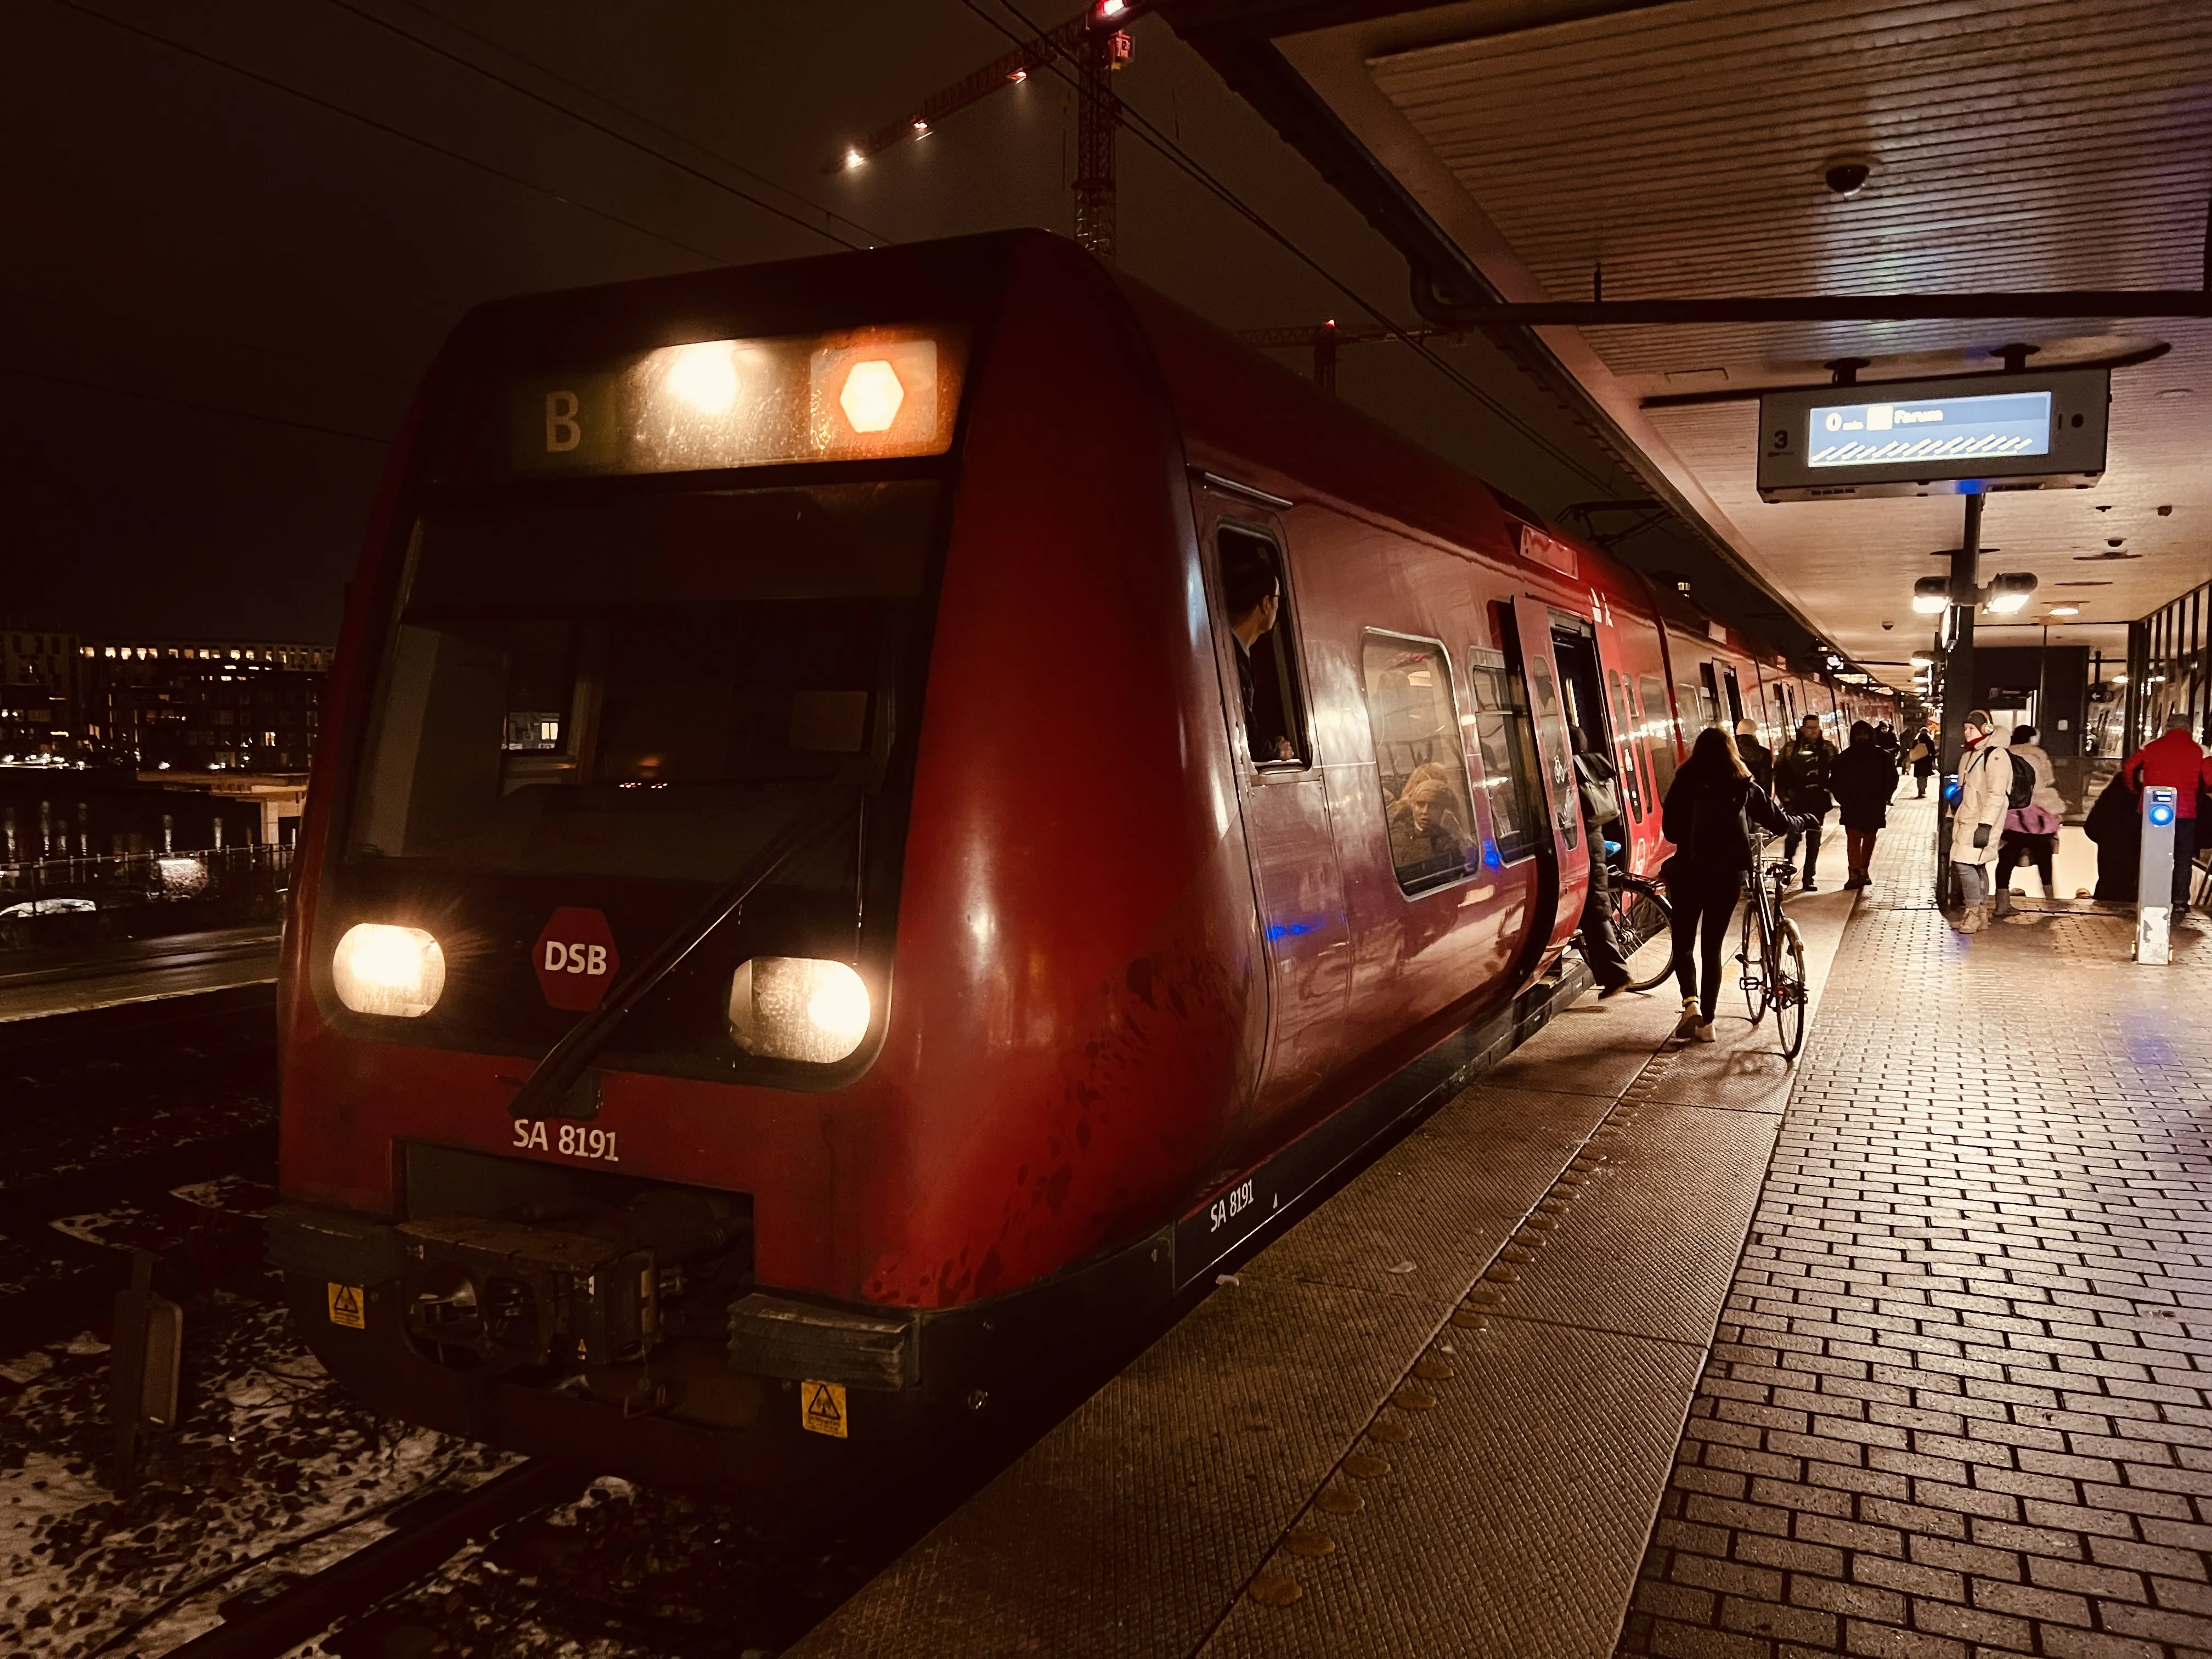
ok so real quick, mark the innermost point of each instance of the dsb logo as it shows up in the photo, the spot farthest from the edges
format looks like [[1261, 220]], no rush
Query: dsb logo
[[575, 959]]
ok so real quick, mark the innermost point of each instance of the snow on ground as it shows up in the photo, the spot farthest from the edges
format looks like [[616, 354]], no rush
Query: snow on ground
[[273, 1470]]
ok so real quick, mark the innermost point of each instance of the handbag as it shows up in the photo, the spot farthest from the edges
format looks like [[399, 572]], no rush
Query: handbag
[[2031, 820], [1599, 795]]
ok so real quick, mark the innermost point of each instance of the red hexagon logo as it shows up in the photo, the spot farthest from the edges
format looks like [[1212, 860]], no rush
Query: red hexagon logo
[[575, 958]]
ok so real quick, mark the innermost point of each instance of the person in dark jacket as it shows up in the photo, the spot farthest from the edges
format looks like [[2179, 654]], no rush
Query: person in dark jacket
[[1801, 785], [2115, 824], [1863, 778], [1757, 758], [1920, 755], [1599, 948], [1706, 816]]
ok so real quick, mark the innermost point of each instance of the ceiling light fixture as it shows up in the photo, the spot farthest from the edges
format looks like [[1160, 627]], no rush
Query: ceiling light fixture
[[1931, 596], [2011, 592]]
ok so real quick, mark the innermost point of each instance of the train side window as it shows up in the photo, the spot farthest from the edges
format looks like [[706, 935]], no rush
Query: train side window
[[1709, 695], [1255, 596], [1507, 742], [1420, 759], [1660, 731]]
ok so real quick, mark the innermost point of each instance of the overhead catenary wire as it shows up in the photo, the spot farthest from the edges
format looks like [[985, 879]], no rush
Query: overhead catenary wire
[[389, 130], [646, 121], [81, 190], [1173, 152], [822, 230], [144, 396], [216, 340]]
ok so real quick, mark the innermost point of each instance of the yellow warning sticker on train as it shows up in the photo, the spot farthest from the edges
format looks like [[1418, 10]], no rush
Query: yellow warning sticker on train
[[346, 1306], [822, 1409]]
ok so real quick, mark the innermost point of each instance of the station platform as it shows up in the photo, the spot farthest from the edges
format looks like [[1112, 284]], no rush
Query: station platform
[[46, 984], [1638, 1348]]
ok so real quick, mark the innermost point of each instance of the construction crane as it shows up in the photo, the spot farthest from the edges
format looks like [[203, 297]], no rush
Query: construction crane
[[1096, 41]]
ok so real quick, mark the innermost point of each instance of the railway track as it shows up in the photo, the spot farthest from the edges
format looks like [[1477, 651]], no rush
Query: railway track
[[417, 1546], [146, 1126]]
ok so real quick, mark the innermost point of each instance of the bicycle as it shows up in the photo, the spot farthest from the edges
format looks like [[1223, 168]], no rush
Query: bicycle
[[1772, 955], [1640, 914]]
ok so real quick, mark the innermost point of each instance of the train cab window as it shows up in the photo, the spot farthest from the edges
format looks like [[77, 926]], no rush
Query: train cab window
[[1255, 602], [643, 686], [1421, 760], [1511, 784], [1660, 730]]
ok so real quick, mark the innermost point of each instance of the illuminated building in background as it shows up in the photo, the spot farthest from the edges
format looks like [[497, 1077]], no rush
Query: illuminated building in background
[[38, 692], [172, 705]]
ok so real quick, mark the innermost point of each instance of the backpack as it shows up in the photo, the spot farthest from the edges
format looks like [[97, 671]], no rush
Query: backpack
[[2023, 783]]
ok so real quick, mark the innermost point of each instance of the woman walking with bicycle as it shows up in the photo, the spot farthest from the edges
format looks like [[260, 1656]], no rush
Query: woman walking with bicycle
[[1707, 814]]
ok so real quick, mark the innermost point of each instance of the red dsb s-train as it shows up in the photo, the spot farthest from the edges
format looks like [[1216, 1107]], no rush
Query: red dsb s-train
[[813, 914]]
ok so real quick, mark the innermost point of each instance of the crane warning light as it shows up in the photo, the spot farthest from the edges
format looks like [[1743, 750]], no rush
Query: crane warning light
[[1112, 8], [872, 396], [1018, 76], [854, 158]]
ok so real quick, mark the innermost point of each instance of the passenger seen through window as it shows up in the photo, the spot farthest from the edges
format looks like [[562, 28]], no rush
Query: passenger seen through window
[[1421, 760]]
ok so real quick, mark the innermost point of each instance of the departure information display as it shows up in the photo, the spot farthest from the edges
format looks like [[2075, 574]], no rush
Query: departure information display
[[1965, 433], [1948, 428]]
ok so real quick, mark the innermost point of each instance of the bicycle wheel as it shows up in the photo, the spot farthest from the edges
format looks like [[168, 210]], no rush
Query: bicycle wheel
[[1640, 914], [1752, 953], [1786, 974]]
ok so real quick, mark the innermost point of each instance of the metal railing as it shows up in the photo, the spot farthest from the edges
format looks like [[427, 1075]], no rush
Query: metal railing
[[107, 879]]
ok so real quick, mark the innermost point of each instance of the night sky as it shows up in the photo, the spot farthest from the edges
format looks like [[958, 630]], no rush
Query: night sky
[[238, 230]]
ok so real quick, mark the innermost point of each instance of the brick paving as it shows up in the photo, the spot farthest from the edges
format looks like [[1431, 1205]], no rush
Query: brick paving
[[1960, 1402]]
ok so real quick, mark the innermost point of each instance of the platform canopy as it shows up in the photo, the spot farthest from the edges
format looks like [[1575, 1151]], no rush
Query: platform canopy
[[1524, 150]]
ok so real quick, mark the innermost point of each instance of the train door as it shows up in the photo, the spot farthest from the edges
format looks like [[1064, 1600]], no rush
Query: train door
[[1296, 876], [1529, 641], [1601, 721], [1632, 746]]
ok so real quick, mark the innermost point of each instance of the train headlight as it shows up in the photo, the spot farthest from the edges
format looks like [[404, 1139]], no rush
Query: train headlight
[[798, 1008], [382, 970]]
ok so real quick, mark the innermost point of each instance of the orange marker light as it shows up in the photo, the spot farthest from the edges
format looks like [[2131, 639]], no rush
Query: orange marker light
[[872, 396]]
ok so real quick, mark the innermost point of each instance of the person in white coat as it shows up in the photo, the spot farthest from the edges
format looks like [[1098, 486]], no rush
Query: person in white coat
[[1977, 825]]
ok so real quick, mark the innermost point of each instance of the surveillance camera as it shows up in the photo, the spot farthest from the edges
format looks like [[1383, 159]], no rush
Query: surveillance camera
[[1887, 626]]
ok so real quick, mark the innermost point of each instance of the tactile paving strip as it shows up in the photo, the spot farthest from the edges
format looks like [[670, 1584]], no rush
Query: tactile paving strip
[[1492, 1528]]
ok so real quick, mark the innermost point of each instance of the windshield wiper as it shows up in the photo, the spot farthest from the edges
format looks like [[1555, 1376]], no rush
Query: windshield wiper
[[548, 1084]]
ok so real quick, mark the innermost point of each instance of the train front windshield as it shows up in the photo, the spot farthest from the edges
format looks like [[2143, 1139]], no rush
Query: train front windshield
[[641, 682]]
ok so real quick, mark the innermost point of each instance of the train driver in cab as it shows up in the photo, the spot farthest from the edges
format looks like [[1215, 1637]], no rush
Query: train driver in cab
[[1252, 593]]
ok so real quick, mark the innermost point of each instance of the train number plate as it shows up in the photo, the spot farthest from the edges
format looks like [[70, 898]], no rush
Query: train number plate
[[538, 1134], [822, 1409]]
